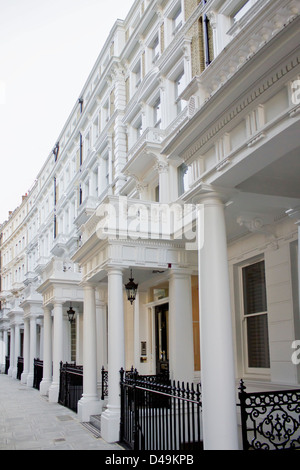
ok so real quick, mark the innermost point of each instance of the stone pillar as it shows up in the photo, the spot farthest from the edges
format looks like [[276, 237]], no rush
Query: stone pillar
[[295, 214], [17, 350], [5, 351], [89, 404], [110, 419], [47, 356], [136, 334], [2, 354], [32, 353], [216, 341], [12, 351], [163, 174], [101, 335], [26, 351], [57, 350], [181, 349]]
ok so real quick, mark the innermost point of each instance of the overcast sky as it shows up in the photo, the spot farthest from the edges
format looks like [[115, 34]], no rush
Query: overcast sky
[[47, 50]]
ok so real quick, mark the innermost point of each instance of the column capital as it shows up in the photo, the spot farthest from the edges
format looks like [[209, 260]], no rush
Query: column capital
[[47, 308], [180, 273], [206, 192], [161, 166], [111, 269], [86, 285]]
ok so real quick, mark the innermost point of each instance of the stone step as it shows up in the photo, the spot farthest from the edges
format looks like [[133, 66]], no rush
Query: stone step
[[92, 429], [95, 420]]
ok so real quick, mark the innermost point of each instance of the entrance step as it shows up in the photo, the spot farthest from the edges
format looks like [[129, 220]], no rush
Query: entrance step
[[94, 425], [92, 429], [95, 420]]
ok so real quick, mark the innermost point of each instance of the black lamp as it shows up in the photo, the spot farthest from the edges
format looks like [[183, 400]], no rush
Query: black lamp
[[71, 314], [131, 288]]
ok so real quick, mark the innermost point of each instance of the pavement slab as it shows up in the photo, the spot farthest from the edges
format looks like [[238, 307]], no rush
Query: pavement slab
[[29, 422]]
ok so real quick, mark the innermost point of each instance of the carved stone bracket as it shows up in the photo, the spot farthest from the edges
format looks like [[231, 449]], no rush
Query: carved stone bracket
[[256, 225]]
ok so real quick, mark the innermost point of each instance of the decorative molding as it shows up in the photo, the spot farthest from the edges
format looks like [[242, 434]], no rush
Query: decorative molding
[[242, 107], [256, 225]]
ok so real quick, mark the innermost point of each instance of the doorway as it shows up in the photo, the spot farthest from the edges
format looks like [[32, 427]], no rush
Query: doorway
[[162, 339]]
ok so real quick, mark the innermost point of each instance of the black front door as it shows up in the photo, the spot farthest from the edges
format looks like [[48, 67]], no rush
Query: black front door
[[162, 339]]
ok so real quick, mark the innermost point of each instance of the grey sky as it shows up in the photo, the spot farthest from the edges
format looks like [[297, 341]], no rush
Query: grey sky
[[47, 50]]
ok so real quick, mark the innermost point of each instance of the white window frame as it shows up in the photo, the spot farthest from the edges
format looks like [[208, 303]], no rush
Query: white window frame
[[179, 83], [253, 371], [157, 113], [177, 19], [155, 46], [137, 71]]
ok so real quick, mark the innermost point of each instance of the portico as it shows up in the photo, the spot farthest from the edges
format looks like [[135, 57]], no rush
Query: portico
[[153, 262], [59, 289]]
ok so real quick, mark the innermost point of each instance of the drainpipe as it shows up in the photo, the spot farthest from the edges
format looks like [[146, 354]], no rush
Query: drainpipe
[[80, 149], [206, 40], [55, 151], [80, 101]]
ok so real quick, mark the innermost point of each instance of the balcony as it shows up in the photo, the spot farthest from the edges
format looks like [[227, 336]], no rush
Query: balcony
[[85, 210], [59, 245], [58, 268], [143, 154]]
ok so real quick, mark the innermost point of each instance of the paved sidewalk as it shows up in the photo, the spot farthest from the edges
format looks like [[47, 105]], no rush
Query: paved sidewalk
[[29, 422]]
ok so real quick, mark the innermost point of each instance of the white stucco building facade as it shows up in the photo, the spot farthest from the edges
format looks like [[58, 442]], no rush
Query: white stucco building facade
[[179, 163]]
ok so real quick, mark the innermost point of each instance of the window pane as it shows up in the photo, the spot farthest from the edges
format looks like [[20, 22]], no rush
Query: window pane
[[258, 341], [254, 287]]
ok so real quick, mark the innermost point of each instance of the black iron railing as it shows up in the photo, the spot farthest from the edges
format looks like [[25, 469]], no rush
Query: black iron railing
[[37, 373], [70, 385], [20, 367], [270, 420], [104, 383], [157, 414]]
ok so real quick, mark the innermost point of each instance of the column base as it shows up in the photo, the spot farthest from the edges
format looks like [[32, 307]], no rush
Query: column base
[[44, 387], [24, 376], [53, 393], [30, 379], [110, 425], [88, 406]]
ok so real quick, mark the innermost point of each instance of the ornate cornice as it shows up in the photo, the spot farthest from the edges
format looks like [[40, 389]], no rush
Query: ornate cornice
[[242, 106]]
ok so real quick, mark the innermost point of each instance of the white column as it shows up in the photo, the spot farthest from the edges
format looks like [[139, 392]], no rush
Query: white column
[[216, 340], [2, 354], [5, 352], [89, 404], [57, 350], [163, 175], [79, 337], [295, 214], [32, 353], [101, 335], [181, 349], [12, 351], [110, 419], [47, 353], [26, 351], [136, 334], [17, 350]]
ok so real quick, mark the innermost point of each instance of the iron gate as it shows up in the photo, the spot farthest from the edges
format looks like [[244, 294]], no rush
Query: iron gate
[[37, 373], [70, 385], [159, 415]]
